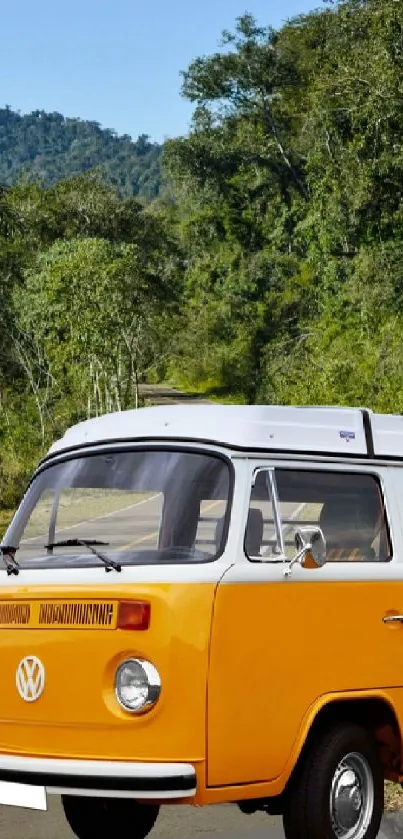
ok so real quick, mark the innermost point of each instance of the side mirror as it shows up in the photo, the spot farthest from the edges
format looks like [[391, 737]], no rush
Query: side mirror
[[310, 544]]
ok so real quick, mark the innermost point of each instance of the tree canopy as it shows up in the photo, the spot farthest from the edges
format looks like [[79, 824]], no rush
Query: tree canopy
[[50, 147], [290, 188]]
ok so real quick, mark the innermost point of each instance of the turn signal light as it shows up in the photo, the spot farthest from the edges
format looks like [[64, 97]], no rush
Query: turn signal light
[[134, 614]]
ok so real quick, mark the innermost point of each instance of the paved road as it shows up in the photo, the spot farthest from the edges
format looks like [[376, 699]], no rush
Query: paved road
[[224, 822], [166, 395], [180, 822]]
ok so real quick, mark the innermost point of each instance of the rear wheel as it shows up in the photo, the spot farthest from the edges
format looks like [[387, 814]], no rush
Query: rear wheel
[[338, 790], [101, 818]]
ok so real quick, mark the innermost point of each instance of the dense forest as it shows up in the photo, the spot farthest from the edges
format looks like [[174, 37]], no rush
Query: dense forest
[[49, 148], [273, 271]]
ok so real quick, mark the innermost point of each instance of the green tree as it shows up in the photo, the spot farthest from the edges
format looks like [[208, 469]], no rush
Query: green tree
[[50, 148], [107, 313]]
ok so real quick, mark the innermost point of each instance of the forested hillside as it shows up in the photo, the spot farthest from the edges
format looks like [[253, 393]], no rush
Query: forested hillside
[[51, 147], [276, 274]]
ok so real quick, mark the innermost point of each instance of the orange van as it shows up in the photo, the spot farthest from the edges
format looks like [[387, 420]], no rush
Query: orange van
[[203, 604]]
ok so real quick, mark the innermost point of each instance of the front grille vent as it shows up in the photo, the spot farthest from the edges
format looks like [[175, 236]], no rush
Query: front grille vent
[[58, 614]]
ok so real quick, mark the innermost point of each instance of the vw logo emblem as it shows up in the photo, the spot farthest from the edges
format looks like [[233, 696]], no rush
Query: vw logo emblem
[[30, 678]]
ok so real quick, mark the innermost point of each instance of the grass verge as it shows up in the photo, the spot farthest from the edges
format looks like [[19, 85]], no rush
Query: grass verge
[[393, 796], [5, 518]]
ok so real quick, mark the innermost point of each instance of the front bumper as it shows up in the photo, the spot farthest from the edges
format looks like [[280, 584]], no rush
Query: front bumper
[[113, 779]]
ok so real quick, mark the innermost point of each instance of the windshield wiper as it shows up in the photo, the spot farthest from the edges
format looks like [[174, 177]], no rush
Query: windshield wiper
[[87, 543], [11, 563]]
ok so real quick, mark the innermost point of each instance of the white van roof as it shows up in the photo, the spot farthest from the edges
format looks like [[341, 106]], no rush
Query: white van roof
[[326, 430]]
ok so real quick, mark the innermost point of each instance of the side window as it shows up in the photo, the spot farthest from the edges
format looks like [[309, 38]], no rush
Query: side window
[[347, 506]]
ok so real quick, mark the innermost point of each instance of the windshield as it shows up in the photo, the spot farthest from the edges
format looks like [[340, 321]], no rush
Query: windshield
[[150, 506]]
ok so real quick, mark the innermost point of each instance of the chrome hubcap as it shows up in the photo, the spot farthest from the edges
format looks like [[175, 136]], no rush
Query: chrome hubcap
[[352, 797]]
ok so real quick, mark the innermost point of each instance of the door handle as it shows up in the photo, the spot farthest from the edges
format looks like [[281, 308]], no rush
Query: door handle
[[393, 619]]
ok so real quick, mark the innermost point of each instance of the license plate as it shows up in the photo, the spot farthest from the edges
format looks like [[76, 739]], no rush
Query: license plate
[[23, 795]]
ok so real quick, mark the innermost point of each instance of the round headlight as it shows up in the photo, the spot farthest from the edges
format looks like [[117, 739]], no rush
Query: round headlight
[[137, 685]]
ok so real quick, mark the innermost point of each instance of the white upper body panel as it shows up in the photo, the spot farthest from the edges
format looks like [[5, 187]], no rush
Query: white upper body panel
[[254, 427], [326, 430], [387, 432]]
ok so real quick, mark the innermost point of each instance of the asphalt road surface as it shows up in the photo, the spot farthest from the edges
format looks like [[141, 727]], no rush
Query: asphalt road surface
[[219, 822], [166, 395], [223, 822]]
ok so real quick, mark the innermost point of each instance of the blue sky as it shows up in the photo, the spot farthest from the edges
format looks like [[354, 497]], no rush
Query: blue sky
[[117, 61]]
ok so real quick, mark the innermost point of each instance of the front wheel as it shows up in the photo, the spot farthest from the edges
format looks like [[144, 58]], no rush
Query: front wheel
[[102, 818], [338, 790]]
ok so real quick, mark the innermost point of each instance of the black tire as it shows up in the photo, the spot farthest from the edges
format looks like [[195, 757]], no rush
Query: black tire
[[307, 811], [103, 818]]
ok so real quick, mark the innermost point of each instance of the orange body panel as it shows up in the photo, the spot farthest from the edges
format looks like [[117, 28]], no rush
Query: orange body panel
[[78, 715], [265, 656], [290, 647]]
